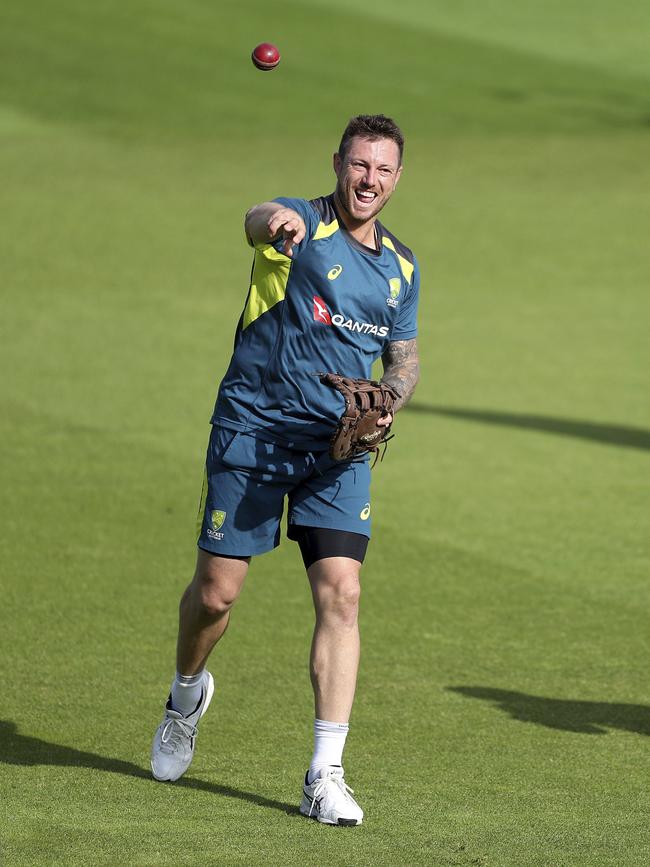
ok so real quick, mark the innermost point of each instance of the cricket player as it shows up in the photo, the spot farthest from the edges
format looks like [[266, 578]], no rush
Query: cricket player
[[331, 290]]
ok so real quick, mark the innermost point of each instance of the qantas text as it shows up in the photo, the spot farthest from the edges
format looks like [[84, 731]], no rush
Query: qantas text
[[361, 327]]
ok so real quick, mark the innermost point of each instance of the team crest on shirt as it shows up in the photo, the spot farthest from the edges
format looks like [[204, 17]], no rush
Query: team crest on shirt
[[217, 517], [395, 287]]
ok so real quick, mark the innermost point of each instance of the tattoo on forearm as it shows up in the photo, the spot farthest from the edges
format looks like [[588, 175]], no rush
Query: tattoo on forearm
[[402, 369]]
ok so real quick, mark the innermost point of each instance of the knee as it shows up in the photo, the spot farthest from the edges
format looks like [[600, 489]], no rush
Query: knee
[[211, 598], [341, 600]]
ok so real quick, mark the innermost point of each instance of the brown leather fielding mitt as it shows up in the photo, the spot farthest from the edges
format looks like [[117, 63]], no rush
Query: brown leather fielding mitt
[[366, 400]]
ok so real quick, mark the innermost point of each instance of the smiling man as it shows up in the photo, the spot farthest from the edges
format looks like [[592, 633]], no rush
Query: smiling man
[[331, 290]]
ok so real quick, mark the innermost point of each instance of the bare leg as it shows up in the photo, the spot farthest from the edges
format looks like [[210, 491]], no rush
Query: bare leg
[[205, 608], [335, 646]]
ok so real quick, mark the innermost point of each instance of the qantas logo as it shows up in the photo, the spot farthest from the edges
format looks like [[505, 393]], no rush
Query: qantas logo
[[322, 314]]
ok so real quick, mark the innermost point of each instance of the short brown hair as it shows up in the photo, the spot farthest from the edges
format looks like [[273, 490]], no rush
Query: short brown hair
[[373, 127]]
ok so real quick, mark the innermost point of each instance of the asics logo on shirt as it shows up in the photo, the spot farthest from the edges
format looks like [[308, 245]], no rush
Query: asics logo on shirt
[[322, 314], [334, 272]]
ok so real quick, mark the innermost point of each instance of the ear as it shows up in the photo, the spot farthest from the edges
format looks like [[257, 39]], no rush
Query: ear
[[398, 175], [337, 162]]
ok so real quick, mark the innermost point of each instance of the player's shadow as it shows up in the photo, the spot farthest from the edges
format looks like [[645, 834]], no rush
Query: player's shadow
[[583, 717], [611, 434], [18, 749]]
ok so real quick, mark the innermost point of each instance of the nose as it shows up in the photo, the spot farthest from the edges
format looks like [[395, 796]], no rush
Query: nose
[[370, 176]]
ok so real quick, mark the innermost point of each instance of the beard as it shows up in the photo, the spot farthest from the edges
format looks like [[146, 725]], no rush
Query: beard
[[346, 200]]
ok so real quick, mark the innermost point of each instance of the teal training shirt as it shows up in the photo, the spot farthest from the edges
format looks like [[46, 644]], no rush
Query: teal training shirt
[[332, 307]]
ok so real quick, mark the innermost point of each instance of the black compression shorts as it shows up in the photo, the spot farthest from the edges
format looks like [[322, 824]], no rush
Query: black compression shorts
[[316, 543]]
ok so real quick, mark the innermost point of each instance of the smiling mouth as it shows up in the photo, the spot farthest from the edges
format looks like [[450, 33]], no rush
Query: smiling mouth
[[365, 197]]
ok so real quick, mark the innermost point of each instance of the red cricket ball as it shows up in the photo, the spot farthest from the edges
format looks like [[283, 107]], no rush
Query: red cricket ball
[[265, 56]]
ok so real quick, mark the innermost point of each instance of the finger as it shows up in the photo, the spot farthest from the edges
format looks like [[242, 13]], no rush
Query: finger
[[277, 219], [294, 231], [300, 232], [385, 420], [289, 221], [280, 218], [275, 223], [289, 240]]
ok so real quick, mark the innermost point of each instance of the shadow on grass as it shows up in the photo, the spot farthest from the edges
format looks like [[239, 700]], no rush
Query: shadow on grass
[[17, 749], [583, 717], [611, 434]]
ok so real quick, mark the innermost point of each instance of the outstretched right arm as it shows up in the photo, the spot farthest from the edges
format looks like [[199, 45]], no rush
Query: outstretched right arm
[[267, 222]]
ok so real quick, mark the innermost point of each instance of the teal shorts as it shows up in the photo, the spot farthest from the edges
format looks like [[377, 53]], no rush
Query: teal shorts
[[245, 484]]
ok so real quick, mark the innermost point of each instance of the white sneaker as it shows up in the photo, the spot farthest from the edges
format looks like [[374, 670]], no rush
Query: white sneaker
[[329, 800], [173, 743]]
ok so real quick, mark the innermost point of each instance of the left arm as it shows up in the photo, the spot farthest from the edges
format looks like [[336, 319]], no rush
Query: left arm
[[401, 368]]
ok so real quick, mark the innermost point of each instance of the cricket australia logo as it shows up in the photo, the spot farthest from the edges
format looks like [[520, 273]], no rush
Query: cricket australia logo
[[217, 517], [395, 287]]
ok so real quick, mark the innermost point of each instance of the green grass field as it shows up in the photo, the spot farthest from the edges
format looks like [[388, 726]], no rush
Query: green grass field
[[503, 712]]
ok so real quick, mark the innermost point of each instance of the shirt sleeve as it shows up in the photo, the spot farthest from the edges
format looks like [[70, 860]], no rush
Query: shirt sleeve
[[406, 327], [308, 214]]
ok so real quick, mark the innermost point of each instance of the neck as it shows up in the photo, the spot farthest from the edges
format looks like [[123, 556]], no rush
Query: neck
[[361, 231]]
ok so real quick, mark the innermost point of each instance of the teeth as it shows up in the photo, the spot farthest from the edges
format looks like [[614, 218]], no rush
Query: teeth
[[365, 194]]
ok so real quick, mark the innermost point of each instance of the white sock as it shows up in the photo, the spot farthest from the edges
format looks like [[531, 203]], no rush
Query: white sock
[[329, 740], [186, 692]]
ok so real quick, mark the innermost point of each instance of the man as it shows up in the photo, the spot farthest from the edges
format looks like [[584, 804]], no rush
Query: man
[[331, 290]]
